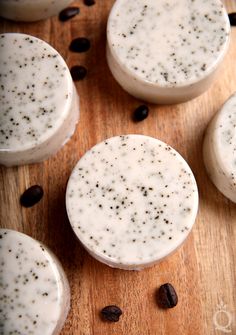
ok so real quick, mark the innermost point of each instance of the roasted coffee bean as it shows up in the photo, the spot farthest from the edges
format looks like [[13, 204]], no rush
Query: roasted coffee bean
[[232, 19], [111, 313], [80, 44], [31, 196], [167, 296], [89, 2], [78, 72], [67, 13], [140, 113]]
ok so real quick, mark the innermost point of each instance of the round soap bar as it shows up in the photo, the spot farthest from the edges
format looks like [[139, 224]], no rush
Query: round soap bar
[[39, 103], [31, 10], [219, 149], [35, 294], [131, 201], [166, 51]]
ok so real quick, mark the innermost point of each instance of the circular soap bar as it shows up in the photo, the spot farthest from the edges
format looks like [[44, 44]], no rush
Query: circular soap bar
[[31, 10], [35, 294], [166, 51], [131, 201], [39, 103], [219, 149]]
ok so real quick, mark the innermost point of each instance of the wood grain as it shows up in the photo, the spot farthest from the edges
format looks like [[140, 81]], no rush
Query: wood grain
[[203, 270]]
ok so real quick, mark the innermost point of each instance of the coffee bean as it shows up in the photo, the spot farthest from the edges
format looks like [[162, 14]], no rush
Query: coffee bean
[[89, 2], [111, 313], [78, 72], [68, 13], [167, 296], [31, 196], [140, 113], [80, 44], [232, 19]]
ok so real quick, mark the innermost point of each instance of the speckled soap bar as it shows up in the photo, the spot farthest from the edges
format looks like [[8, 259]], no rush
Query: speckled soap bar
[[39, 103], [131, 201], [166, 51], [31, 10], [35, 294], [219, 149]]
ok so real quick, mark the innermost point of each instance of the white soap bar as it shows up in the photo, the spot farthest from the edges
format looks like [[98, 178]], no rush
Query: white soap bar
[[219, 149], [31, 10], [39, 103], [131, 201], [166, 51], [35, 294]]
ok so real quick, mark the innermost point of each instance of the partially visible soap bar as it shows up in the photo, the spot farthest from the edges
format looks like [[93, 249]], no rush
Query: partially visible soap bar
[[131, 200], [39, 103], [219, 149], [35, 294], [31, 10], [166, 51]]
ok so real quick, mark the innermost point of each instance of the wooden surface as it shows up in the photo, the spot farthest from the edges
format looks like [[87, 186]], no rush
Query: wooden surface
[[203, 270]]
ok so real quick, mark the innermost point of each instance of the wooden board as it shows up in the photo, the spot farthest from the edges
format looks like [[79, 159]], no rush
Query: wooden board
[[203, 270]]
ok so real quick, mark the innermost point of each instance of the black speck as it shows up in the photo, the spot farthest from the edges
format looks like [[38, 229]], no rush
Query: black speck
[[89, 2], [68, 13], [80, 44], [140, 113], [31, 196], [111, 313], [167, 296], [78, 72], [232, 19]]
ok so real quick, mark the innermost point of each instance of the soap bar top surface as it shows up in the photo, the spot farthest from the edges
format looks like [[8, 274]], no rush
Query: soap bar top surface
[[224, 138], [171, 42], [131, 200], [32, 286], [35, 91]]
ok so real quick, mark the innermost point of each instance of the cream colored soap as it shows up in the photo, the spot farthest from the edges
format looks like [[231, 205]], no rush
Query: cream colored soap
[[35, 294], [39, 103], [31, 10], [131, 201], [219, 149], [166, 51]]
